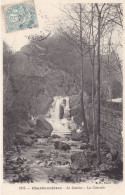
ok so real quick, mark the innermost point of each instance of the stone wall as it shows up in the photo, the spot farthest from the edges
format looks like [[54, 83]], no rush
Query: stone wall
[[111, 127]]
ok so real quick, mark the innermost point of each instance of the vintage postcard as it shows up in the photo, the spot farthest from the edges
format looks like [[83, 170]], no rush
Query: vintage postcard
[[62, 91]]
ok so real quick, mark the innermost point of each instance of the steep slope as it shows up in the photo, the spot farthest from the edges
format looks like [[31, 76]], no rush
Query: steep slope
[[31, 86]]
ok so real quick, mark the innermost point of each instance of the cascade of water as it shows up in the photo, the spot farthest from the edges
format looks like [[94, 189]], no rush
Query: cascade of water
[[60, 126], [57, 109], [67, 103]]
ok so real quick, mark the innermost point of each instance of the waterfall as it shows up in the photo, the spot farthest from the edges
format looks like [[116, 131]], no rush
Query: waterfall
[[59, 116]]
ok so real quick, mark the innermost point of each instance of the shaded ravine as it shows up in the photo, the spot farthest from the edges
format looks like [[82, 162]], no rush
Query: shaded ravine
[[41, 161], [42, 158]]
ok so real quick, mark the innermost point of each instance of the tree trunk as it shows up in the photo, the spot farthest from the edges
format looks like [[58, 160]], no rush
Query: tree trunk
[[83, 118], [98, 90], [93, 108], [109, 70], [92, 57], [109, 88]]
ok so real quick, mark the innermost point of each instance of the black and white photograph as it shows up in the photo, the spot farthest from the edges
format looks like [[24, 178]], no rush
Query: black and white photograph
[[62, 92]]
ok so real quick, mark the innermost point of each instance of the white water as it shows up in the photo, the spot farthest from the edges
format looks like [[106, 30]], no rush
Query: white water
[[62, 126]]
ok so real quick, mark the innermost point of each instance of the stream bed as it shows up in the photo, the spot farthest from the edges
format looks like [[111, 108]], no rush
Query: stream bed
[[42, 161]]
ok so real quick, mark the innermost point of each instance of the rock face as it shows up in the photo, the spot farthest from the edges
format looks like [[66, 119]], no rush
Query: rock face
[[40, 104], [43, 127], [36, 84], [74, 100], [79, 161], [27, 141], [74, 104], [61, 112], [61, 146], [75, 108]]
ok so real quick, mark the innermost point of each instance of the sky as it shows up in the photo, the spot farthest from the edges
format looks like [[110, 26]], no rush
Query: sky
[[47, 14]]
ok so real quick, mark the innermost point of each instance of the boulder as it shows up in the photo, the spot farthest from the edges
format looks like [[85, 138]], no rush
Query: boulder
[[79, 161], [43, 128], [33, 136], [30, 131], [76, 136], [83, 146], [61, 113], [54, 136], [61, 146], [26, 141]]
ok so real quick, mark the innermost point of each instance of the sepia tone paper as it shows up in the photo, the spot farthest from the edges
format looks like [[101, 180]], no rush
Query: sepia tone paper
[[53, 164]]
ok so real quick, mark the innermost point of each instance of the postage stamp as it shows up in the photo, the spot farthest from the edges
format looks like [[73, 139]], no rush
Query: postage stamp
[[20, 16]]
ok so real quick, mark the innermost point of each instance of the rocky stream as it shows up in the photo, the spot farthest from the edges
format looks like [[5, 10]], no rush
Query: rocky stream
[[53, 150]]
